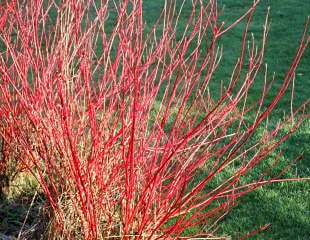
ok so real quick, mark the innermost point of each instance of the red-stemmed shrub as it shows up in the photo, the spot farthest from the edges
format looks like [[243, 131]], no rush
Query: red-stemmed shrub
[[116, 119]]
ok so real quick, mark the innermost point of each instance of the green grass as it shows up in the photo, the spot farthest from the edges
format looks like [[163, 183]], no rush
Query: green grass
[[282, 205]]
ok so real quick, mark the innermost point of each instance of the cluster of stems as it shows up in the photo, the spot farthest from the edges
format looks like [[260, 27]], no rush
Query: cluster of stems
[[115, 117]]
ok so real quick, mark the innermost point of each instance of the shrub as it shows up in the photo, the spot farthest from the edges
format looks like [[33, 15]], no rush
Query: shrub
[[116, 120]]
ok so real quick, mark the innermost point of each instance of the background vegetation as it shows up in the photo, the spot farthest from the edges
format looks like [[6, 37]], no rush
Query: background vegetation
[[285, 205]]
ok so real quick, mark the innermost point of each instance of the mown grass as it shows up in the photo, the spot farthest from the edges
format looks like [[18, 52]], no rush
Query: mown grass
[[283, 205]]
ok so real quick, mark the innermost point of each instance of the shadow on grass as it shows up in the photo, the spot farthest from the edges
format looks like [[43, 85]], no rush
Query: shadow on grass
[[23, 217]]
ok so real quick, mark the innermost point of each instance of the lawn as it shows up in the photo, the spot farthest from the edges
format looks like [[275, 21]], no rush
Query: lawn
[[285, 206]]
